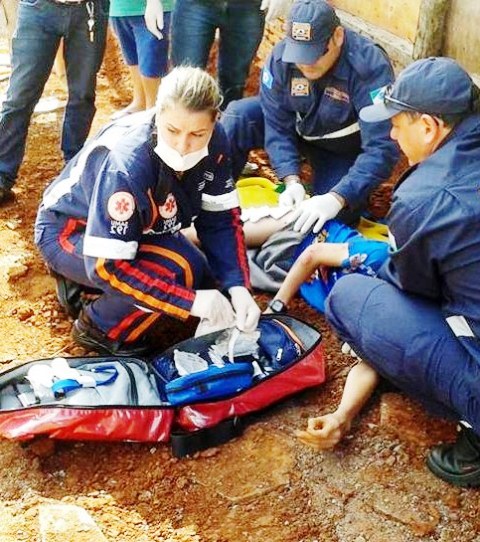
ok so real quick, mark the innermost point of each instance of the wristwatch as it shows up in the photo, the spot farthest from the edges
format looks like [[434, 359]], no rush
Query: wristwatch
[[277, 305]]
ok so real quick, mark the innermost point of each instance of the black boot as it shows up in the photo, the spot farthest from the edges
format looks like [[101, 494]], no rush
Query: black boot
[[86, 334], [459, 463], [6, 195], [69, 295]]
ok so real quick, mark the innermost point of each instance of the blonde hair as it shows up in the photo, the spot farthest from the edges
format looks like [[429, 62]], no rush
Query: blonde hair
[[192, 88]]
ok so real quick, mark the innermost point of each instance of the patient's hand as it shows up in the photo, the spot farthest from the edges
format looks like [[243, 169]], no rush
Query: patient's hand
[[324, 432]]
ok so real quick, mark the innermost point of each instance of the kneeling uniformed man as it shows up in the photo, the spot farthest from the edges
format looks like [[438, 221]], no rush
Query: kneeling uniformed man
[[426, 336], [314, 83]]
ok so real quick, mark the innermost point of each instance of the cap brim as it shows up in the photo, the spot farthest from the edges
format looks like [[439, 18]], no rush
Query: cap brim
[[302, 53], [377, 113]]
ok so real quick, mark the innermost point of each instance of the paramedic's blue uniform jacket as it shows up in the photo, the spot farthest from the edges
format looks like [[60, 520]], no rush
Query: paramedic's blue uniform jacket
[[427, 339], [319, 110], [115, 212], [435, 219], [320, 119]]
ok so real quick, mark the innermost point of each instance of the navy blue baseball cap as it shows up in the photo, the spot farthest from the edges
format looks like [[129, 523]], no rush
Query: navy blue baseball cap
[[435, 86], [310, 25]]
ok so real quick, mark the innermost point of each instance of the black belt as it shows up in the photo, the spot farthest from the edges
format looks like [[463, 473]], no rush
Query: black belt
[[90, 5]]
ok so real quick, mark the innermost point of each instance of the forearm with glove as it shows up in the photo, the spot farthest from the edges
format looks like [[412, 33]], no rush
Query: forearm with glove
[[294, 192], [247, 312], [315, 211], [154, 17], [216, 312], [213, 309]]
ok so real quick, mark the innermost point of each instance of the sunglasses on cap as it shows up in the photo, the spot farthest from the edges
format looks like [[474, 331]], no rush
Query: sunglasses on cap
[[386, 95]]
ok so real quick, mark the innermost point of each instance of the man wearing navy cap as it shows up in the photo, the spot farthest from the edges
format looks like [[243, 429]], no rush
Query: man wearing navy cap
[[313, 85], [418, 323]]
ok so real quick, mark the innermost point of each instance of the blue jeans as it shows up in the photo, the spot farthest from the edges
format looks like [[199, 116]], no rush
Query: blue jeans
[[241, 23], [406, 339], [40, 26]]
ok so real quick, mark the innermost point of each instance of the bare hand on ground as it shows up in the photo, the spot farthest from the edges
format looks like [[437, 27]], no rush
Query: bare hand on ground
[[324, 432]]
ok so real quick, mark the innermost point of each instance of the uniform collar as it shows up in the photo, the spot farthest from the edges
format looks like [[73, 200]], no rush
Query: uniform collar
[[341, 69], [471, 123], [468, 125]]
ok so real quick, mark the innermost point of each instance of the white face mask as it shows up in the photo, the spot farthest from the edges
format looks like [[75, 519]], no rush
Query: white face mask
[[174, 159]]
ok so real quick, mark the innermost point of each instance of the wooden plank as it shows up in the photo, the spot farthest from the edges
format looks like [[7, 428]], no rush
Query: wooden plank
[[8, 9], [399, 50], [462, 38], [431, 28], [399, 17]]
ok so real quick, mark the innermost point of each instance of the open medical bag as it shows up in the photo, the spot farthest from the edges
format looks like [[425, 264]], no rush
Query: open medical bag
[[196, 386]]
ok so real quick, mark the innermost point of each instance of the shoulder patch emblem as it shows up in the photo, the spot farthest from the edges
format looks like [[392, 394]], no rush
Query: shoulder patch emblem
[[378, 95], [169, 208], [267, 78], [121, 206], [300, 86]]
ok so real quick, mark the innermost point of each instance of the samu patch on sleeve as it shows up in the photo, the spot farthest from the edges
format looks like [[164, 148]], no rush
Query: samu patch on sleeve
[[121, 206], [267, 78]]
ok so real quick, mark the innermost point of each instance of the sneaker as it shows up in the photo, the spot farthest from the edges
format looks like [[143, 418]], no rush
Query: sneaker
[[69, 295], [458, 463], [6, 194], [86, 334]]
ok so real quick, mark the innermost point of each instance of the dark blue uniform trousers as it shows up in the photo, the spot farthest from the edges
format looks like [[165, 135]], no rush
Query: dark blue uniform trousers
[[117, 314], [407, 340], [244, 124]]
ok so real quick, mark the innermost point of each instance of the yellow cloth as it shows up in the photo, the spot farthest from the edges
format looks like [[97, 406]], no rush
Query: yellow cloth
[[373, 230], [257, 192]]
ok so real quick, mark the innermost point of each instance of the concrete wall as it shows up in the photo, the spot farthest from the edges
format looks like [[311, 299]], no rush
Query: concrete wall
[[400, 17], [462, 36]]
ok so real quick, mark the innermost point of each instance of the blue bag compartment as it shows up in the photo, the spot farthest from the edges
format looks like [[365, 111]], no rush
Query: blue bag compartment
[[213, 383], [280, 345]]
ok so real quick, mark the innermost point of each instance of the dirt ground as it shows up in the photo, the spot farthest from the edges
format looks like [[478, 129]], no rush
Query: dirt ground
[[263, 486]]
